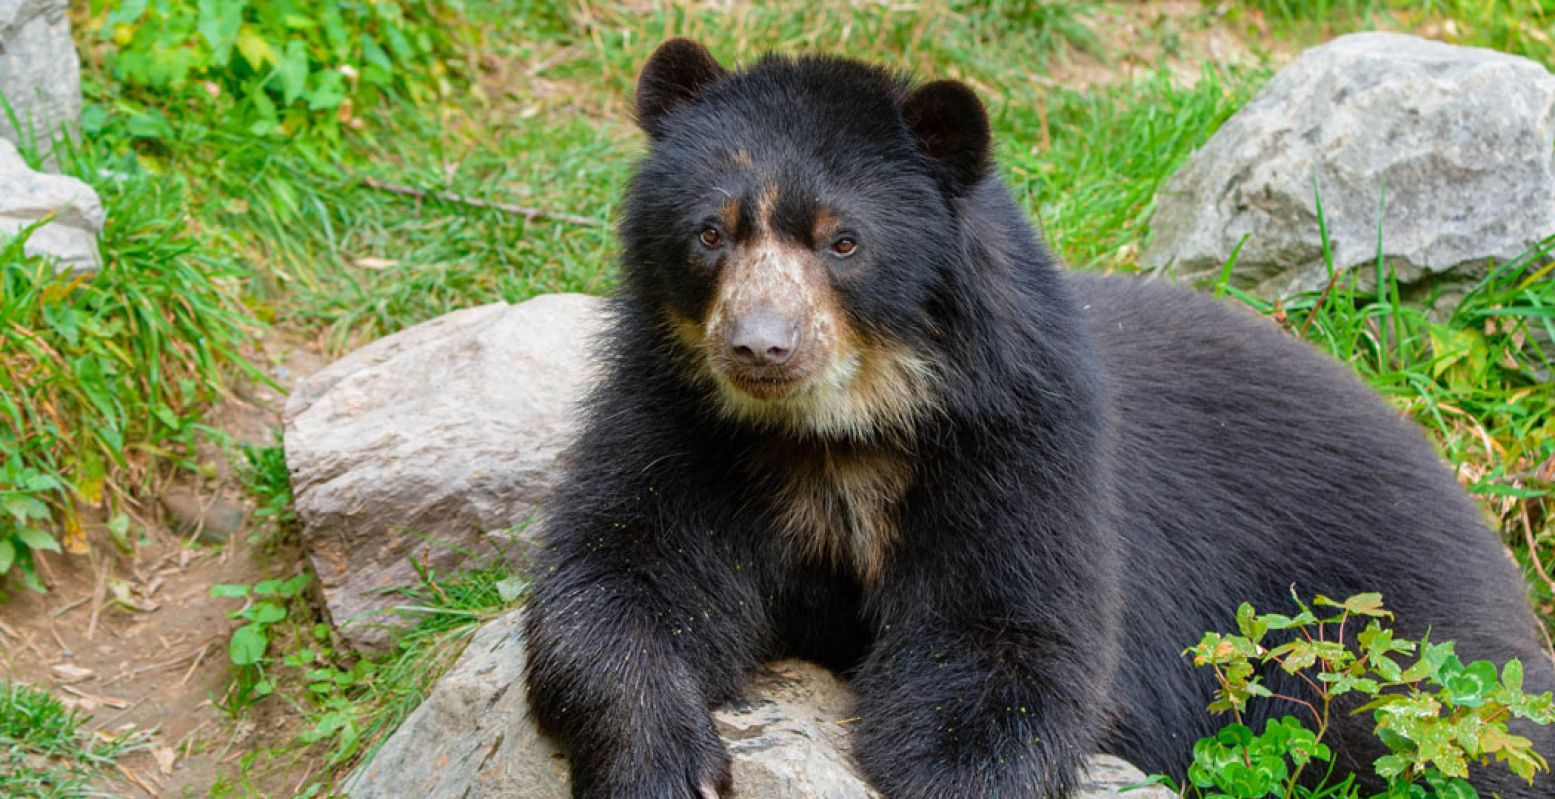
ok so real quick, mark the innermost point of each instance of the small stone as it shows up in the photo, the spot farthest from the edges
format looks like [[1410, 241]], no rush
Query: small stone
[[211, 518], [70, 673]]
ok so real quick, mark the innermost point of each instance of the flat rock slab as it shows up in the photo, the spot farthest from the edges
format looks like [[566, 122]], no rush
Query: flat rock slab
[[27, 196], [474, 737], [40, 74], [424, 442], [1463, 140]]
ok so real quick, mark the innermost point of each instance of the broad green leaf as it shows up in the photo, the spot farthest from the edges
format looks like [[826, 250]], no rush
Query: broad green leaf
[[265, 613], [127, 12], [293, 70], [37, 539], [24, 508], [7, 555], [248, 644], [294, 586], [256, 51], [229, 590], [219, 23], [1511, 674]]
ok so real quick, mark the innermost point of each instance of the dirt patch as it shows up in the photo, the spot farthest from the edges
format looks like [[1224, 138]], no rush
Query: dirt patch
[[1181, 35], [135, 639]]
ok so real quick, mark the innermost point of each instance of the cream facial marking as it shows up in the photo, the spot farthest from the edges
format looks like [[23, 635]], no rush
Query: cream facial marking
[[836, 383]]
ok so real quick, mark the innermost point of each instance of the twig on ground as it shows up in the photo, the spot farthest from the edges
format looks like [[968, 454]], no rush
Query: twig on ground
[[526, 212], [139, 783], [99, 593], [111, 701], [107, 723], [196, 664], [66, 608], [166, 664]]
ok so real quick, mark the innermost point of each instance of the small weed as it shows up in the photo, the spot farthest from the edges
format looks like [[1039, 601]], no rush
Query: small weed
[[267, 604], [264, 476], [1436, 716], [350, 704]]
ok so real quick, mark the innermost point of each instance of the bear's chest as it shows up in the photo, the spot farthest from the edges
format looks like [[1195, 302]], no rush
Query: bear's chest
[[840, 505]]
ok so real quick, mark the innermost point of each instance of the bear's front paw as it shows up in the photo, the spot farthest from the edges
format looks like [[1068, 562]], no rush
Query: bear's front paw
[[704, 775]]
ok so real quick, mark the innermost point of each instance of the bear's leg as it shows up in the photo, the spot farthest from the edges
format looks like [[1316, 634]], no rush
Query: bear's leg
[[991, 713], [624, 662]]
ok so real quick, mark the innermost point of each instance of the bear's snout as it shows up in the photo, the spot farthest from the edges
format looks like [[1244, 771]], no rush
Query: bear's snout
[[763, 338]]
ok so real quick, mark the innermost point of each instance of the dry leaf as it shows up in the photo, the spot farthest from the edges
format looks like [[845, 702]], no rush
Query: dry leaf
[[165, 757], [71, 673]]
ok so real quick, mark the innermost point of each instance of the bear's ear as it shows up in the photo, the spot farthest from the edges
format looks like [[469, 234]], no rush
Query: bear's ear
[[675, 74], [950, 122]]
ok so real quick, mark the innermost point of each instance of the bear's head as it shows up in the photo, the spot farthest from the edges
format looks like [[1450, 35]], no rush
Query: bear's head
[[792, 225]]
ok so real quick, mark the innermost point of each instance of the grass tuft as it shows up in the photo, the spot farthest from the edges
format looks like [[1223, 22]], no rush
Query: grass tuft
[[106, 375], [45, 753]]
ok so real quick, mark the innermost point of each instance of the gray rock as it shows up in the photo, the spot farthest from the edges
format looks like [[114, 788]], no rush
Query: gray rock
[[422, 442], [40, 74], [1462, 138], [211, 518], [27, 196], [474, 737]]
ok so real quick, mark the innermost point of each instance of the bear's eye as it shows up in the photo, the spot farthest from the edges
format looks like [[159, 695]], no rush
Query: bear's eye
[[710, 237], [844, 246]]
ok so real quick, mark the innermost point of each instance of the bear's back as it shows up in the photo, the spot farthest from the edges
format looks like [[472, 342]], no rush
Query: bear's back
[[1248, 463]]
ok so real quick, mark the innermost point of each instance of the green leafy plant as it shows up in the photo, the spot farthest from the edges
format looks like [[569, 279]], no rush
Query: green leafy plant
[[349, 704], [288, 64], [1436, 715], [266, 605]]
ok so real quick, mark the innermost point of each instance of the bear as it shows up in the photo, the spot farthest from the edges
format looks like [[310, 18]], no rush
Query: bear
[[850, 408]]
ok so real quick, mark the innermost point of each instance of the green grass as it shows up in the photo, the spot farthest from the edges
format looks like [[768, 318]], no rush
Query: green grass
[[264, 476], [106, 377], [1523, 27], [1092, 188], [45, 753]]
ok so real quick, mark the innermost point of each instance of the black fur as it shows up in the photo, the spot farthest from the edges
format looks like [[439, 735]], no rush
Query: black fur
[[1111, 466]]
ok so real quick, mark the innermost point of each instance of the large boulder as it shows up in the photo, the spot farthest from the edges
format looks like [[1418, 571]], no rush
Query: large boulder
[[474, 736], [1462, 139], [27, 196], [424, 443], [40, 74]]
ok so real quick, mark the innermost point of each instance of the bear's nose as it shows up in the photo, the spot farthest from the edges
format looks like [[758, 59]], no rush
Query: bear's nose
[[763, 338]]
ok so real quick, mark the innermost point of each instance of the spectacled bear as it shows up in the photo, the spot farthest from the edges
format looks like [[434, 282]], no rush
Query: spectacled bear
[[853, 410]]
